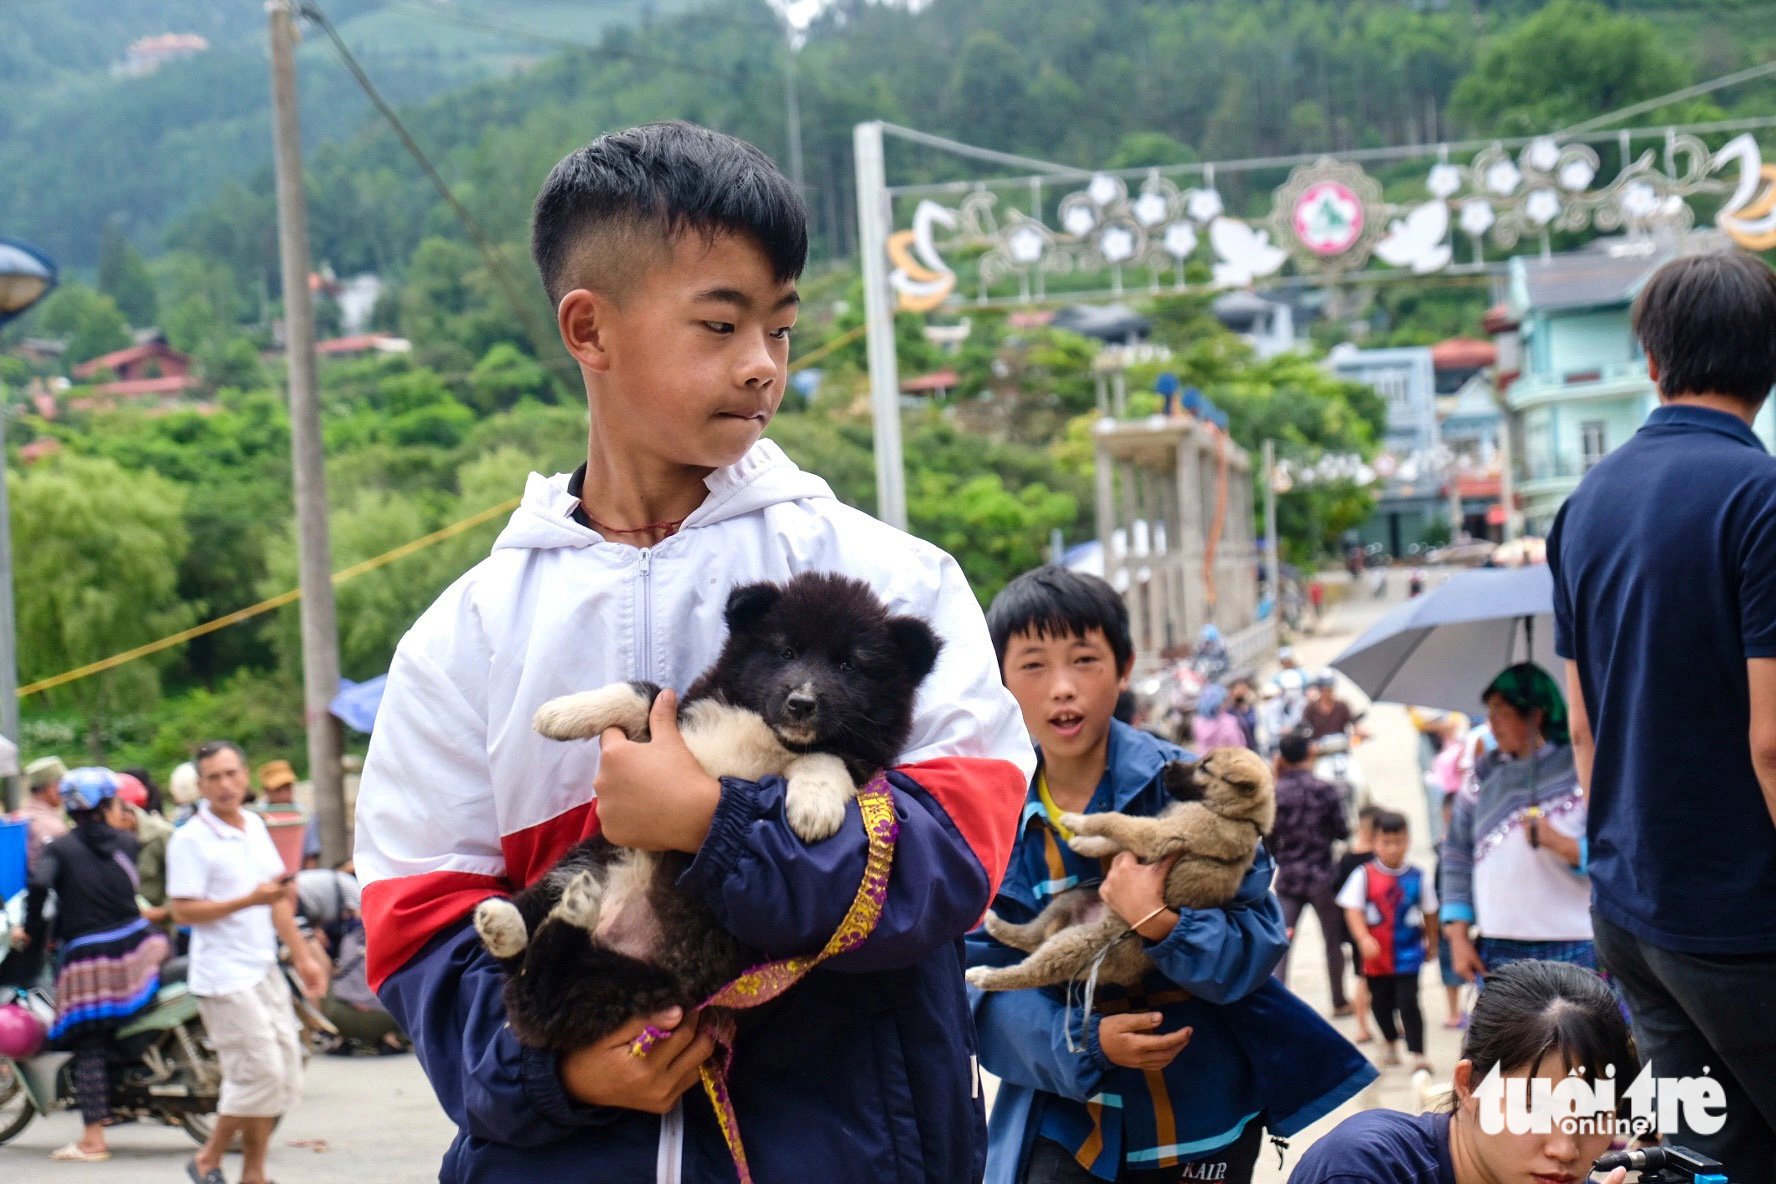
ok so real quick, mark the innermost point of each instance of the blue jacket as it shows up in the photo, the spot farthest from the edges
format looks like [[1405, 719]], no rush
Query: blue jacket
[[862, 1073], [1258, 1052]]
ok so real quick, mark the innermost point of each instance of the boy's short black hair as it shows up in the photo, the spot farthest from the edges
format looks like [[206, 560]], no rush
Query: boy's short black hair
[[1388, 822], [608, 208], [1369, 814], [1054, 602], [1709, 321], [1295, 747]]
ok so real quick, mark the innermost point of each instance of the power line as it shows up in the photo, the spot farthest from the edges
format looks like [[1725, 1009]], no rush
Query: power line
[[483, 241], [1676, 96]]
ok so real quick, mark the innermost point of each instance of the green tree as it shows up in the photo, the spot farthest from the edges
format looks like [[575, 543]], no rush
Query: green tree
[[88, 321], [123, 276], [1607, 60], [993, 532], [505, 376], [97, 551]]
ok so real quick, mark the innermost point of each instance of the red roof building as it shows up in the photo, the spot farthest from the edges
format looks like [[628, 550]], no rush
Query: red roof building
[[154, 360]]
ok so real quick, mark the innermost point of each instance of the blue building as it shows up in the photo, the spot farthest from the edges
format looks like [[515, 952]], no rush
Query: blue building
[[1581, 385], [1411, 506]]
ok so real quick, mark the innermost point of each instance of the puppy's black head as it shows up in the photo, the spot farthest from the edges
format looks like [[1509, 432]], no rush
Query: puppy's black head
[[826, 665]]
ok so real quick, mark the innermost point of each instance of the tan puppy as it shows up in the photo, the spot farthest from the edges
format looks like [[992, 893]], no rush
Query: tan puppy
[[1227, 803]]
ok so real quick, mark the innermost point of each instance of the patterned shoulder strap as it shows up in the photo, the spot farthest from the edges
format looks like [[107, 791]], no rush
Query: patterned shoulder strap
[[768, 980]]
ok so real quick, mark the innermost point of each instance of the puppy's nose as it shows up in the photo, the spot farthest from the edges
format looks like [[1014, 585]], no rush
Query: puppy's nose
[[799, 705]]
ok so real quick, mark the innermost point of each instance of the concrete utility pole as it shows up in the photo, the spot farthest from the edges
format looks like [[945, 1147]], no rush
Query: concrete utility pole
[[1272, 563], [878, 313], [320, 634]]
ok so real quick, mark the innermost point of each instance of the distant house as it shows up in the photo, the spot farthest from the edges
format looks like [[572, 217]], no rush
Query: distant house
[[37, 450], [361, 344], [148, 54], [937, 385], [156, 359], [1268, 326]]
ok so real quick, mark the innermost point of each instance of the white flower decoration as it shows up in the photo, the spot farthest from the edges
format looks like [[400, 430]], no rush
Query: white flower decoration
[[1477, 218], [1542, 206], [1025, 244], [1180, 240], [1103, 189], [1150, 209], [1542, 154], [1079, 221], [1639, 200], [1117, 244], [1503, 178], [1445, 180], [1576, 174], [1204, 205]]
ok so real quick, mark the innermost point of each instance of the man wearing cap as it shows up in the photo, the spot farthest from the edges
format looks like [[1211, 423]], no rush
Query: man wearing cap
[[227, 881], [279, 806], [42, 811]]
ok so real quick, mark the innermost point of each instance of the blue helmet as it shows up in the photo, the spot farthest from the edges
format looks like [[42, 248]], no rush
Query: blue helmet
[[88, 788]]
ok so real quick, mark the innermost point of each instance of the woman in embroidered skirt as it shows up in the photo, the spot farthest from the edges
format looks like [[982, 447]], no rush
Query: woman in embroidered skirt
[[108, 956], [1514, 860]]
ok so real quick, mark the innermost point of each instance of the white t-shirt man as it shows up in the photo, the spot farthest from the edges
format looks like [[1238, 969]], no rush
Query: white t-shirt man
[[209, 860]]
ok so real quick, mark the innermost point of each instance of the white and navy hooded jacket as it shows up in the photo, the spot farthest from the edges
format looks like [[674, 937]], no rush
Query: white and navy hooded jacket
[[865, 1071]]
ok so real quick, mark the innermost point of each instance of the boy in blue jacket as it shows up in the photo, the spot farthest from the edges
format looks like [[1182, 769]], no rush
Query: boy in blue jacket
[[1179, 1079], [671, 253]]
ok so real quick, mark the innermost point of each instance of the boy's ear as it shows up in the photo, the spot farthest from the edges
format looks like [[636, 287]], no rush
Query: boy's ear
[[749, 602], [916, 643], [583, 317]]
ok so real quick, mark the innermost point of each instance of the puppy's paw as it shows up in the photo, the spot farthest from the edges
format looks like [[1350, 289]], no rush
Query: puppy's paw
[[814, 814], [501, 927], [995, 926], [815, 799], [580, 902], [1092, 846], [585, 715], [983, 977]]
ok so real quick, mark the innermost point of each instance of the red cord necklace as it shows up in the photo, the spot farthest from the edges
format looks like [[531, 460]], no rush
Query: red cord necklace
[[671, 528]]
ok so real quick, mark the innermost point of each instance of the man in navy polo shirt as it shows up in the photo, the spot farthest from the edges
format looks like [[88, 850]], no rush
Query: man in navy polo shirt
[[1664, 565]]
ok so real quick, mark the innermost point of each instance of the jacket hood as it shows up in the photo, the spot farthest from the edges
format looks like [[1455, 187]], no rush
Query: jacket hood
[[763, 477]]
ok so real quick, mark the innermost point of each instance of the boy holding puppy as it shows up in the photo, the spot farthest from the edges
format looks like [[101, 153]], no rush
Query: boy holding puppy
[[1180, 1079], [671, 253]]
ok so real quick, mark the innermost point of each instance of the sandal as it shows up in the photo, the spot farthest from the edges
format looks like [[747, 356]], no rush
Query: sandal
[[213, 1176], [75, 1153], [1456, 1025]]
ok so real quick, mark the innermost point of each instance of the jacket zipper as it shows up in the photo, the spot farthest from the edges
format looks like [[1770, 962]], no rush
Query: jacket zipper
[[645, 643]]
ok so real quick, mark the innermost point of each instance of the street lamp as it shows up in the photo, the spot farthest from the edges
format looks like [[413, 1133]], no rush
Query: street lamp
[[26, 276]]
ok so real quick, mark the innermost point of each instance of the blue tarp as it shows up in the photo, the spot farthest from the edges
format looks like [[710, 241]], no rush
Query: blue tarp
[[356, 703]]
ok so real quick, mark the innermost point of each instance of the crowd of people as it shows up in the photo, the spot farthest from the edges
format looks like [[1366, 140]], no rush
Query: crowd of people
[[1606, 841], [129, 887]]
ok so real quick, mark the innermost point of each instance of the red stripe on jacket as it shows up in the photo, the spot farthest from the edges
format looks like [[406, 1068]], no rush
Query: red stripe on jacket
[[982, 796]]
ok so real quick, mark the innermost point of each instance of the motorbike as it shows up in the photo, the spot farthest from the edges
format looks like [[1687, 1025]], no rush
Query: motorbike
[[1336, 764], [160, 1064]]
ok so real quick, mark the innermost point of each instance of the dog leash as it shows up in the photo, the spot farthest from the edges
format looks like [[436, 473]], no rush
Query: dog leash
[[768, 980]]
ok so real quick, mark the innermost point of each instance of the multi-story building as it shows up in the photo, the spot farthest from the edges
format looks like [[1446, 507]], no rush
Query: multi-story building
[[1410, 505], [1582, 386]]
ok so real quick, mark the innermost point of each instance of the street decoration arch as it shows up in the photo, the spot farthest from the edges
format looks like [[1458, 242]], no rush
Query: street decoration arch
[[1328, 221]]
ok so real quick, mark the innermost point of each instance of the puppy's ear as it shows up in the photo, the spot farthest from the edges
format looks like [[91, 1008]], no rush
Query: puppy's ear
[[916, 644], [749, 602]]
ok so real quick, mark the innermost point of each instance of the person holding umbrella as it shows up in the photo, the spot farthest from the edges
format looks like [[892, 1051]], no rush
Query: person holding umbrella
[[1514, 860]]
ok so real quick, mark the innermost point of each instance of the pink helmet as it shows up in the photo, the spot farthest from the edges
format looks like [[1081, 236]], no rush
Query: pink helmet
[[21, 1033]]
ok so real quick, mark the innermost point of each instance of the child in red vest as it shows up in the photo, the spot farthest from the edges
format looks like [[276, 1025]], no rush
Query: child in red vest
[[1391, 908]]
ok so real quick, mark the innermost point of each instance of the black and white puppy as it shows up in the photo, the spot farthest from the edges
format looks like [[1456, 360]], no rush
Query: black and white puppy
[[816, 683]]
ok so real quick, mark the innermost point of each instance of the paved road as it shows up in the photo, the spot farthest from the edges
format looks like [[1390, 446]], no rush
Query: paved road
[[374, 1119]]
